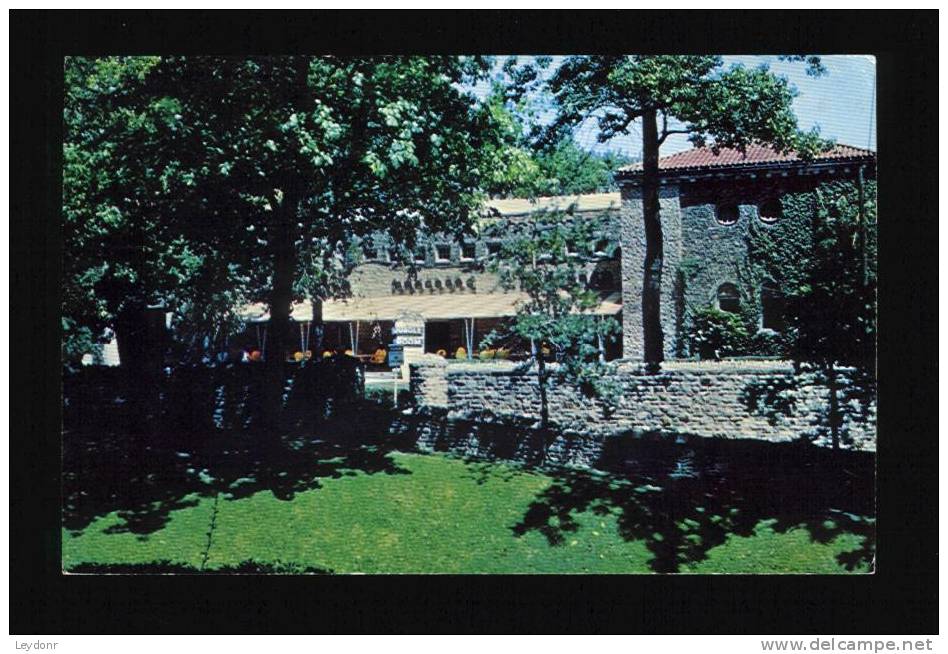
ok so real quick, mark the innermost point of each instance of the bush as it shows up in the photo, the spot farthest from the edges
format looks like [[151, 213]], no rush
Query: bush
[[715, 334], [768, 343]]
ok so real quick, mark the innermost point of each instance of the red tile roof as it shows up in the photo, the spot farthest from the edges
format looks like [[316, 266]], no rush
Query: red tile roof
[[699, 158]]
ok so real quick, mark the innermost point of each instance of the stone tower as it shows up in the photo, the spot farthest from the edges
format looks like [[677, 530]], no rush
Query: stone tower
[[632, 241]]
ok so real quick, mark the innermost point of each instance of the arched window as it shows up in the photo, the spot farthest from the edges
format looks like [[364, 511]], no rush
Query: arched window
[[772, 306], [602, 280], [770, 211], [729, 299], [727, 214]]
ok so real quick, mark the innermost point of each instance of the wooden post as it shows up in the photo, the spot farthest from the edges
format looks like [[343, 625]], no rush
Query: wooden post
[[469, 336], [354, 337]]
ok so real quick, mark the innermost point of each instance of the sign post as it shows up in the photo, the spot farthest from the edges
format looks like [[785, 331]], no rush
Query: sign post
[[396, 357]]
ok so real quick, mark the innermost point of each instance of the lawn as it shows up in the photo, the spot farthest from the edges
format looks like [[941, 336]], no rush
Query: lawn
[[433, 513]]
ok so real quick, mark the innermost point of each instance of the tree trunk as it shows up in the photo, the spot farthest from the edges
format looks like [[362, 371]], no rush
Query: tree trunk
[[544, 403], [130, 334], [654, 248], [140, 356], [319, 329], [280, 301]]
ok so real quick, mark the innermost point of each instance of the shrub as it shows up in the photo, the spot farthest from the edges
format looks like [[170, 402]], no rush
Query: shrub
[[768, 343], [715, 334]]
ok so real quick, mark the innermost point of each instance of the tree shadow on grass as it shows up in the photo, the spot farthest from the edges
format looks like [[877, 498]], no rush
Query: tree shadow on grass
[[684, 500], [164, 566], [144, 477]]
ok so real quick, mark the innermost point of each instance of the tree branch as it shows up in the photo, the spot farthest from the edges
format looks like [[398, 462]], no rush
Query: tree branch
[[668, 132]]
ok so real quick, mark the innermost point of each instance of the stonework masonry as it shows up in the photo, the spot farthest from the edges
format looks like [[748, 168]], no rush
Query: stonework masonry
[[764, 401], [716, 254], [701, 252]]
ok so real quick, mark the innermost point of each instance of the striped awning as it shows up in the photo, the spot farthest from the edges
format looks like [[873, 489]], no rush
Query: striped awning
[[441, 306]]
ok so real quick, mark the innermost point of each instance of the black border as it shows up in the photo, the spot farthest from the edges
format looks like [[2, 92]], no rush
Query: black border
[[900, 598]]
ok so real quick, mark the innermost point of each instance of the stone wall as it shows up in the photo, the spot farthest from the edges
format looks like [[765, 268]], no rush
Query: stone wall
[[713, 254], [373, 279], [200, 399], [374, 272], [729, 400]]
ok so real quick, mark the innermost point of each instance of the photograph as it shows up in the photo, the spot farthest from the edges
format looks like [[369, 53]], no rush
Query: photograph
[[542, 326], [441, 314]]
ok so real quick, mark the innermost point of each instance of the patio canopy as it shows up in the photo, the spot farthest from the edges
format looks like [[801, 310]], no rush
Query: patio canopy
[[445, 306]]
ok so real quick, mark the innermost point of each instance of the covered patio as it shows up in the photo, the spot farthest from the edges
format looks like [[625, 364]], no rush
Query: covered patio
[[454, 323]]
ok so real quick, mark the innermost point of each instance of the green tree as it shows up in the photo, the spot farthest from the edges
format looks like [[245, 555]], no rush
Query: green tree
[[280, 161], [572, 170], [823, 256], [543, 257], [121, 254], [527, 168], [672, 94]]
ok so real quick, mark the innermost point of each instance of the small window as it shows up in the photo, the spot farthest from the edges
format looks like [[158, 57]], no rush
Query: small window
[[493, 248], [772, 307], [393, 254], [770, 211], [727, 214], [420, 255], [443, 252], [468, 251], [602, 247], [571, 250], [368, 251], [729, 299]]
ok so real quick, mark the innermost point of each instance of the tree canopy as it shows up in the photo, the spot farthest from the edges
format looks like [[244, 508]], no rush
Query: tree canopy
[[822, 257], [260, 170], [673, 94]]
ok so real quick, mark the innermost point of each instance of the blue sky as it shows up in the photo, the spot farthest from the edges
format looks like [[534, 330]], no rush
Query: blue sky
[[841, 103]]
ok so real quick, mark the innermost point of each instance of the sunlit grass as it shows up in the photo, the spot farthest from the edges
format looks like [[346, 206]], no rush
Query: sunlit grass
[[443, 515]]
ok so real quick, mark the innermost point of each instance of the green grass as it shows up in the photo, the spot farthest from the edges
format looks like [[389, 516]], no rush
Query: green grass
[[439, 515]]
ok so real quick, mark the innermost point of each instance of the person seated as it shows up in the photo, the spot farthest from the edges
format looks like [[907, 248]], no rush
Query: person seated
[[379, 357]]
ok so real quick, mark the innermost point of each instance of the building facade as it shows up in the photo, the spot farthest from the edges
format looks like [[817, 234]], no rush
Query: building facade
[[445, 298], [708, 203]]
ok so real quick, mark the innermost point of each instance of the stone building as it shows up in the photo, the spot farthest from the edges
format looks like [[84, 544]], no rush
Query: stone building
[[708, 202], [444, 296]]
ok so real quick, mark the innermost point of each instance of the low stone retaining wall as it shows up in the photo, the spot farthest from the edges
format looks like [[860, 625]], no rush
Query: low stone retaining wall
[[203, 398], [762, 400]]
